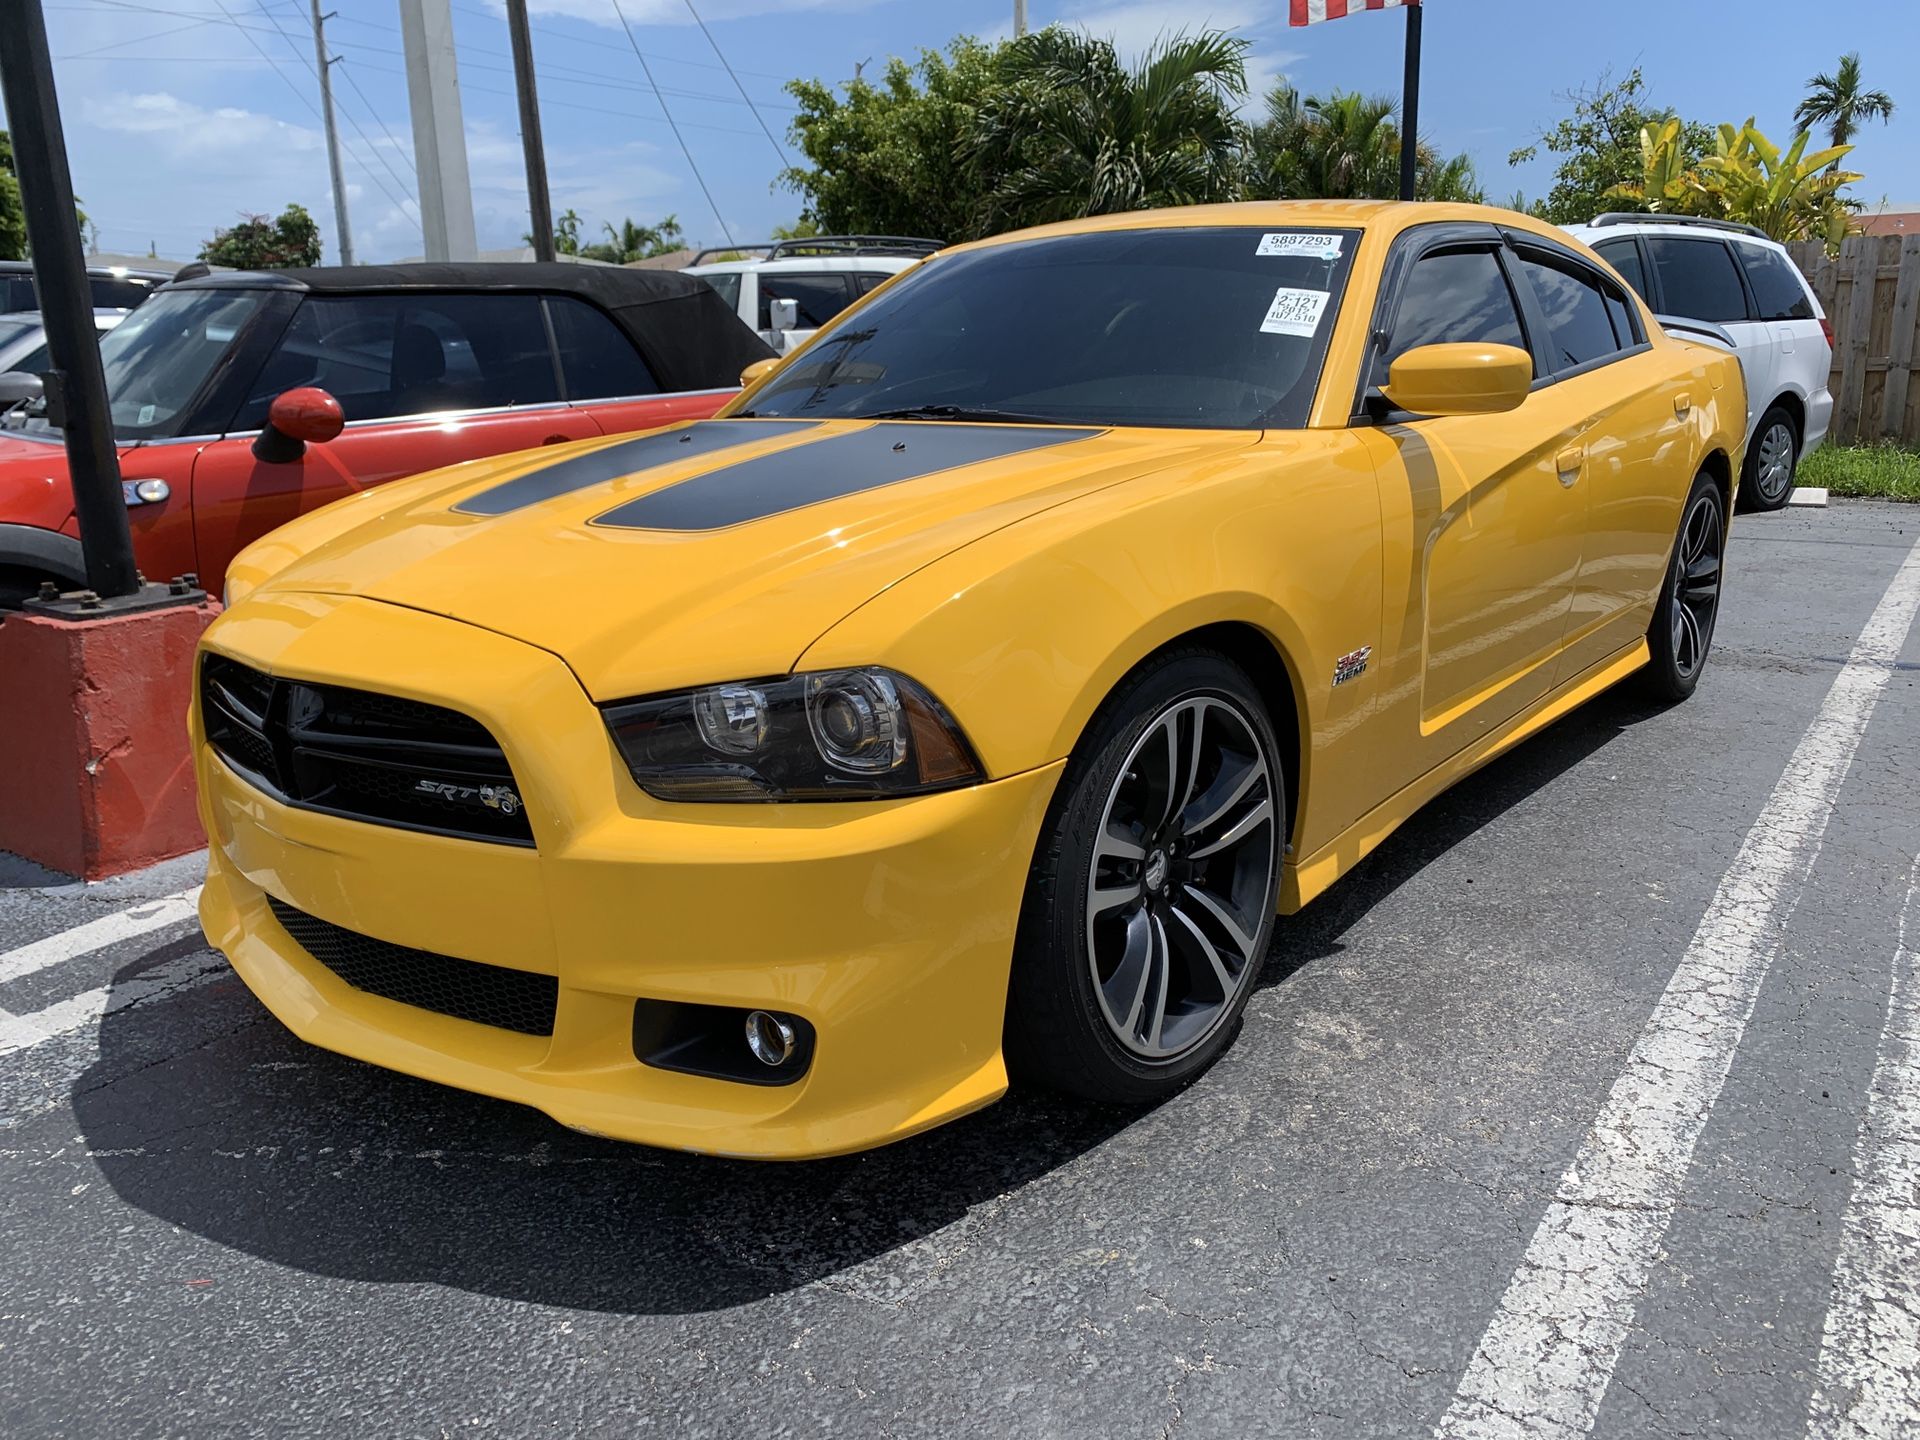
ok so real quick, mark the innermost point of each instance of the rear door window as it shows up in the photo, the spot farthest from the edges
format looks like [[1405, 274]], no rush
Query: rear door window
[[820, 297], [1777, 287], [1624, 256], [1454, 296], [1698, 278], [596, 356], [1579, 328], [383, 356], [727, 286]]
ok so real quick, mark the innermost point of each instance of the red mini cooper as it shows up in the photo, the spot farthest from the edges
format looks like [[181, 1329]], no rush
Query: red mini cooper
[[241, 400]]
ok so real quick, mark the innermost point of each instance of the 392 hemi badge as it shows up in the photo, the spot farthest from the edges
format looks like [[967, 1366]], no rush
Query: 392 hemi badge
[[494, 797], [1352, 665]]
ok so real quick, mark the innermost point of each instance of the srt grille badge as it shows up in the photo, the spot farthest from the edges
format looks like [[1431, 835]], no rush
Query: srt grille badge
[[495, 797]]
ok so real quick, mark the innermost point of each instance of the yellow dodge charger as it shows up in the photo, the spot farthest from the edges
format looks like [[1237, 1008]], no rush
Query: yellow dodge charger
[[969, 697]]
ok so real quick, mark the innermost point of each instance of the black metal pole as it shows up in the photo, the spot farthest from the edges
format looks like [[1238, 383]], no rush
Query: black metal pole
[[1410, 103], [76, 387], [539, 204]]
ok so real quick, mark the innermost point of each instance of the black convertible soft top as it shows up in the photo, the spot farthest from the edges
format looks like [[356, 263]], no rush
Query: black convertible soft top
[[689, 336]]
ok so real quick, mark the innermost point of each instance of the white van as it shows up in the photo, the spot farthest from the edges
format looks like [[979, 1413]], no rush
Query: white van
[[817, 278], [1747, 284]]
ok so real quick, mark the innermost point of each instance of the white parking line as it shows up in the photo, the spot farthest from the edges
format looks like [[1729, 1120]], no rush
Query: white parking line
[[1867, 1380], [1550, 1351], [183, 972], [98, 934]]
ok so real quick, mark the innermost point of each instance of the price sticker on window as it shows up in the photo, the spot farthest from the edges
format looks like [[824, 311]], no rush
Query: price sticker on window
[[1294, 312], [1299, 242]]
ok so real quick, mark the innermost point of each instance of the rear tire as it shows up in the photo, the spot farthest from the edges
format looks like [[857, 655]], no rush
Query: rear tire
[[1766, 477], [1151, 900], [1681, 634]]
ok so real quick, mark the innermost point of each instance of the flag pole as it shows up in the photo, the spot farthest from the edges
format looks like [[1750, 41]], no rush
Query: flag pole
[[1410, 103]]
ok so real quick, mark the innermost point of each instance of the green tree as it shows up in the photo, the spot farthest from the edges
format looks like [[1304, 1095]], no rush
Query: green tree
[[1841, 102], [258, 243], [633, 242], [1789, 194], [1599, 147], [13, 219], [1344, 146], [1074, 132], [884, 158], [801, 229]]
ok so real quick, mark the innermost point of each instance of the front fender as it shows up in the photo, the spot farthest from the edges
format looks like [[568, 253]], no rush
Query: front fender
[[1024, 632]]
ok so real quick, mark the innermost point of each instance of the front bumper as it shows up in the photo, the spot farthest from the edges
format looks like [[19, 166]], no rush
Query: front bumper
[[889, 926]]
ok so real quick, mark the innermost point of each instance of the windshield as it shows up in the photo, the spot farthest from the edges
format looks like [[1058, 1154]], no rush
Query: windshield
[[157, 358], [1220, 328]]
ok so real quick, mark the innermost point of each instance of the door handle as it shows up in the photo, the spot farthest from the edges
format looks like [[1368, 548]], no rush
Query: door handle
[[1681, 405], [1568, 463]]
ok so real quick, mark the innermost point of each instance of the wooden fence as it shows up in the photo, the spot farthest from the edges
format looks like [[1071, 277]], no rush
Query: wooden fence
[[1871, 293]]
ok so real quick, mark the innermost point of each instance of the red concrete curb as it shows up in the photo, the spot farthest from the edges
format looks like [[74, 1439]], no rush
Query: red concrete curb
[[95, 777]]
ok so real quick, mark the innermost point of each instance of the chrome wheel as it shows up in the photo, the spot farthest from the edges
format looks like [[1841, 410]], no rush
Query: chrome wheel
[[1182, 878], [1773, 471], [1696, 584]]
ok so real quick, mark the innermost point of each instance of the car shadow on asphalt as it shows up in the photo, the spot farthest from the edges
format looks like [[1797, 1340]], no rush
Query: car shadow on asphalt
[[305, 1159]]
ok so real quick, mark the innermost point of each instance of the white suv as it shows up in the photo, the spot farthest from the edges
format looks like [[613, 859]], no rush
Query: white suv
[[796, 286], [1736, 278]]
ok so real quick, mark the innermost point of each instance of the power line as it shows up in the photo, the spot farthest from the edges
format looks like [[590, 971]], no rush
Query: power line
[[137, 40], [736, 83], [372, 148], [701, 179], [398, 148]]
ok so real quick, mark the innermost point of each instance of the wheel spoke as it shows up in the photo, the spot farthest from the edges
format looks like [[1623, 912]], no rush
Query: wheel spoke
[[1124, 992], [1259, 815], [1229, 788], [1160, 965], [1211, 952], [1242, 941], [1690, 634], [1116, 845]]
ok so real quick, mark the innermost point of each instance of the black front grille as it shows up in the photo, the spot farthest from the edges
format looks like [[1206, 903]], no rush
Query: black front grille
[[352, 752], [464, 989]]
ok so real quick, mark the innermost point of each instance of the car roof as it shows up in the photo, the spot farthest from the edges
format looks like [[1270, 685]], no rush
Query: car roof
[[690, 337], [1674, 225], [811, 264], [117, 272]]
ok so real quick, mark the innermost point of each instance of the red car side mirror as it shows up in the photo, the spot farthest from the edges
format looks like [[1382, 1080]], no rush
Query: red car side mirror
[[305, 415]]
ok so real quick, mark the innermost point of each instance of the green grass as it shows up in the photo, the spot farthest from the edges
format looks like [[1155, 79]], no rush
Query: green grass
[[1884, 472]]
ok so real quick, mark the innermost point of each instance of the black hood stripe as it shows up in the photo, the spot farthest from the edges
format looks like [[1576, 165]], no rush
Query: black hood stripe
[[847, 464], [615, 462]]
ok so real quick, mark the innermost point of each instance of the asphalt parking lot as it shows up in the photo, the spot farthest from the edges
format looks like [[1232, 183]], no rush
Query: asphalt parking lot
[[1387, 1212]]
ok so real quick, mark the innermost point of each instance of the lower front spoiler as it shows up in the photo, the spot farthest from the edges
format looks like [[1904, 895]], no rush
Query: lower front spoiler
[[875, 1078]]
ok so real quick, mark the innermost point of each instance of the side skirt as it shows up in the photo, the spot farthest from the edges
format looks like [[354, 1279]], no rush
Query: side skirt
[[1302, 880]]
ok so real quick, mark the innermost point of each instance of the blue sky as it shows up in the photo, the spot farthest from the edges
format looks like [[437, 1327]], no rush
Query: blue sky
[[177, 122]]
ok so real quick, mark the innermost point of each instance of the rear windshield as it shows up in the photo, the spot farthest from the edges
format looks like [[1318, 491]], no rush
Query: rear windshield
[[1219, 327]]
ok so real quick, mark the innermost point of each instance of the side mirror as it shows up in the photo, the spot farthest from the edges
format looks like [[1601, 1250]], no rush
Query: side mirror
[[757, 369], [19, 385], [783, 314], [1460, 379], [298, 418]]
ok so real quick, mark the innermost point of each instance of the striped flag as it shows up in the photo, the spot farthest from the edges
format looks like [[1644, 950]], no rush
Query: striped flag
[[1312, 12]]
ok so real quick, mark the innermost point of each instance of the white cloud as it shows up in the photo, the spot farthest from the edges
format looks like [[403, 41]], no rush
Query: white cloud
[[190, 129], [674, 12]]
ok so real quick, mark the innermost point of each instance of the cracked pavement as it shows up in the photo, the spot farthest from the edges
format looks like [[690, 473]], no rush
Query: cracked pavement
[[216, 1229]]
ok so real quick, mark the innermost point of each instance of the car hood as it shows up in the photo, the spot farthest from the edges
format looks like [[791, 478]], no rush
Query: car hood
[[718, 549]]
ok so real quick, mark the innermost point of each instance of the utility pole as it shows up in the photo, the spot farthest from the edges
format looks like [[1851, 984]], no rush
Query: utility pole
[[1410, 103], [439, 133], [539, 203], [75, 387], [1019, 18], [325, 66]]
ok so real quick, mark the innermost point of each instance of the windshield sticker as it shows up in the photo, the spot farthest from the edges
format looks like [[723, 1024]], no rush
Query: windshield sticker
[[1294, 242], [1294, 312]]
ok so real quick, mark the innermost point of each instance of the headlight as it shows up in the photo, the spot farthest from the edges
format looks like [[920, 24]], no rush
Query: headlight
[[828, 735]]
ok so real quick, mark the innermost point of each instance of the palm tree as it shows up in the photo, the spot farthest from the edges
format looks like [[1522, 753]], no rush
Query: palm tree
[[1344, 146], [1074, 132], [1838, 102]]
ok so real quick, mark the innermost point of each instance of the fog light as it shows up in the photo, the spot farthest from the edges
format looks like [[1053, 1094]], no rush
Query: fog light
[[770, 1037]]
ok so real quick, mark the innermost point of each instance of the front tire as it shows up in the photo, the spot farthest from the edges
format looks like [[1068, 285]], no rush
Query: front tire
[[1682, 630], [1766, 477], [1151, 900]]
